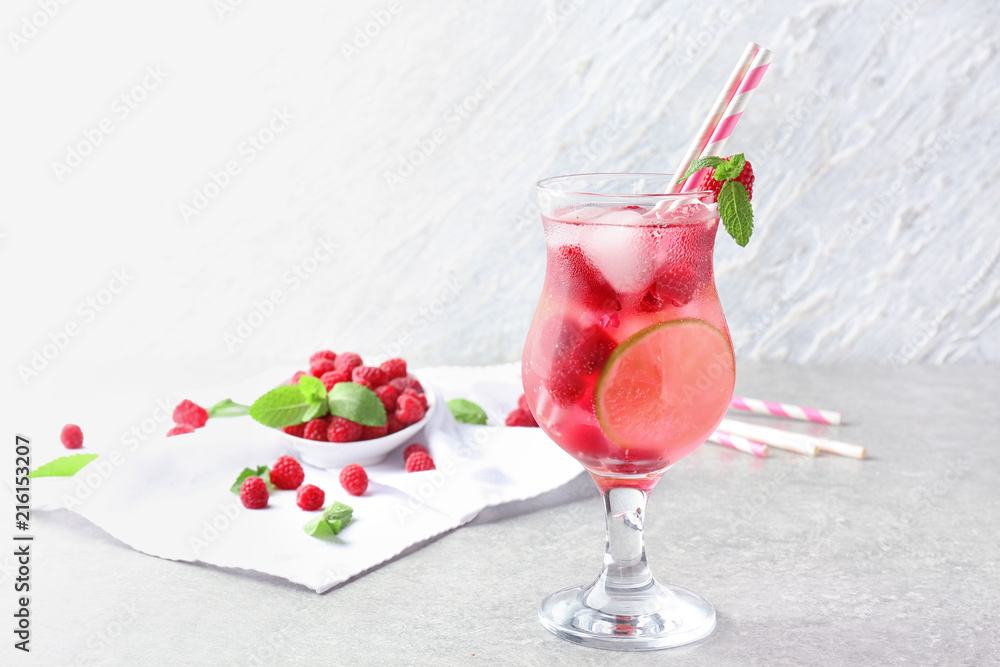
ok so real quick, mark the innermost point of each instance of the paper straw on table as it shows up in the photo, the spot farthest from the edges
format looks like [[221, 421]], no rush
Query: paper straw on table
[[787, 410], [739, 443], [795, 442]]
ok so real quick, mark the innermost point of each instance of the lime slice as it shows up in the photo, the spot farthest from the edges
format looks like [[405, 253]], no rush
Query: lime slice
[[666, 386]]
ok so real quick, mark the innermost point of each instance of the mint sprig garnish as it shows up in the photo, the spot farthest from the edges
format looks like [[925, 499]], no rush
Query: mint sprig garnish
[[466, 411], [734, 200], [334, 519], [357, 403], [64, 466], [227, 407], [260, 471]]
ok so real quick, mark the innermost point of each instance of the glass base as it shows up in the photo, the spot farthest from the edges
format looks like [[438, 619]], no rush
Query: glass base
[[655, 616]]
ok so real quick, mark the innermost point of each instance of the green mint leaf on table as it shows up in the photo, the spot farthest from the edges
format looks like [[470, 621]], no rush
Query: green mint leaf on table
[[735, 211], [357, 403], [334, 519], [286, 406], [260, 471], [227, 407], [64, 466], [466, 412], [701, 163]]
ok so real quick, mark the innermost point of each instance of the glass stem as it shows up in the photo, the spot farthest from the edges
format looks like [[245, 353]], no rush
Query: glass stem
[[625, 570]]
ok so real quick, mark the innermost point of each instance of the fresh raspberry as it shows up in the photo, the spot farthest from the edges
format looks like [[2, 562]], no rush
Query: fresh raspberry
[[354, 479], [592, 288], [310, 497], [180, 429], [419, 461], [413, 449], [393, 424], [335, 377], [372, 432], [578, 353], [674, 286], [370, 376], [522, 403], [394, 368], [315, 430], [287, 473], [420, 396], [519, 417], [298, 374], [342, 429], [72, 436], [709, 183], [347, 361], [322, 354], [404, 383], [321, 366], [253, 493], [190, 413], [298, 430], [409, 409], [388, 394], [592, 349]]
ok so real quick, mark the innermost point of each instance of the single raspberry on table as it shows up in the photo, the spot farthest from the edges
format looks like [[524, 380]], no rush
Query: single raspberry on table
[[404, 383], [310, 497], [287, 473], [320, 367], [190, 413], [419, 395], [298, 430], [342, 429], [393, 424], [709, 183], [253, 493], [394, 368], [519, 417], [372, 432], [522, 403], [347, 361], [409, 409], [329, 355], [316, 430], [354, 479], [419, 462], [180, 429], [413, 449], [388, 394], [370, 376], [72, 436], [335, 377]]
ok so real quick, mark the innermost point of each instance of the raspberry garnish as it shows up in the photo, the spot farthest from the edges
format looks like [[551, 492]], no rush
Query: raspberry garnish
[[287, 473], [321, 366], [354, 479], [298, 430], [370, 376], [253, 493], [343, 430], [310, 497], [709, 183], [413, 449], [72, 436], [419, 461], [180, 429], [347, 361], [394, 368], [334, 377], [409, 409], [190, 413], [316, 430], [322, 354], [388, 394], [519, 417]]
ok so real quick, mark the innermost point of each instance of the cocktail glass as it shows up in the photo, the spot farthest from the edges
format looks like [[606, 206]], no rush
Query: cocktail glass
[[628, 366]]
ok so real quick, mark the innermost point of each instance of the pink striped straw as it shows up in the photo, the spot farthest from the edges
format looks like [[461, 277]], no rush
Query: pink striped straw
[[786, 410], [739, 443]]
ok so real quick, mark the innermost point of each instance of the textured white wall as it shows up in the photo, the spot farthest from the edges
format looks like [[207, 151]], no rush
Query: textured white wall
[[871, 136]]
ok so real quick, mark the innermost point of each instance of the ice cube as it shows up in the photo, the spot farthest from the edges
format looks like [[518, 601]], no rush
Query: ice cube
[[623, 254]]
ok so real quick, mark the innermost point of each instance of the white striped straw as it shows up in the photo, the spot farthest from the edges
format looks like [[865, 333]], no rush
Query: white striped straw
[[796, 442], [786, 410], [739, 443]]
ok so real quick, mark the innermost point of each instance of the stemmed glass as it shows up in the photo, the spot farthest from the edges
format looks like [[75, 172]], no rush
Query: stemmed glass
[[628, 366]]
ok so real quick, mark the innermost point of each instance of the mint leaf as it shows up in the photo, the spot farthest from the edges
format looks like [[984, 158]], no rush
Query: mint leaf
[[736, 212], [466, 412], [261, 471], [227, 407], [357, 403], [64, 466], [312, 388], [340, 511], [334, 519], [286, 406], [702, 162], [319, 527], [730, 168]]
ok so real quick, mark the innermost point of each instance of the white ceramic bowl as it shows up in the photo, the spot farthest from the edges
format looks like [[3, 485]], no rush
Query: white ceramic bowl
[[364, 452]]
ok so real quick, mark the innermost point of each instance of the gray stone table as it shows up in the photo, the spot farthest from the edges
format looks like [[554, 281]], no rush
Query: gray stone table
[[825, 561]]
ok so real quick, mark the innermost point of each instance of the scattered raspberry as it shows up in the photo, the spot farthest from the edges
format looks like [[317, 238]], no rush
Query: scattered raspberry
[[404, 383], [310, 497], [253, 493], [334, 377], [419, 461], [420, 396], [575, 268], [347, 361], [409, 409], [180, 429], [388, 394], [393, 424], [709, 183], [354, 479], [287, 473], [522, 403], [343, 430], [370, 376], [394, 368], [315, 430], [519, 417], [72, 436], [298, 430], [372, 432], [322, 354], [190, 413], [413, 449], [321, 366], [298, 374]]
